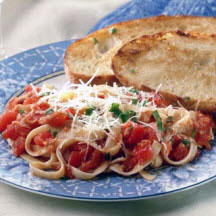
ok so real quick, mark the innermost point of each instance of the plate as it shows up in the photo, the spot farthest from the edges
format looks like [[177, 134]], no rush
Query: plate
[[45, 64]]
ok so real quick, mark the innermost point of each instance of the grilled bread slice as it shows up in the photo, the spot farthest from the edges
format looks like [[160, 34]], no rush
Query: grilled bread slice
[[183, 65], [96, 51]]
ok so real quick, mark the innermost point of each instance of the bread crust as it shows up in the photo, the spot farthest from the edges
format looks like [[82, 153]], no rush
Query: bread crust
[[176, 54], [83, 56]]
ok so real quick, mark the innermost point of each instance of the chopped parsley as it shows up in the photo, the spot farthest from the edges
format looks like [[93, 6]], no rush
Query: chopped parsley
[[134, 101], [145, 102], [186, 99], [95, 41], [49, 111], [133, 90], [169, 119], [186, 142], [158, 120], [44, 94], [112, 30], [54, 133], [132, 71], [21, 111], [124, 116], [107, 156], [115, 109], [193, 135], [89, 111], [70, 116]]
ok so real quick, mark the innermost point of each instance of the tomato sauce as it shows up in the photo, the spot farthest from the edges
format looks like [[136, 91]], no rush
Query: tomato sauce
[[18, 120], [26, 113], [84, 157], [138, 139], [179, 150], [203, 125]]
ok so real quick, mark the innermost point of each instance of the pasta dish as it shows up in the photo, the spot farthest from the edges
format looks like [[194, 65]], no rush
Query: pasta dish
[[81, 131]]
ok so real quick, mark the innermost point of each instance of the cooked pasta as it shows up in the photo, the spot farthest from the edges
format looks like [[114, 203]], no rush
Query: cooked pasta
[[81, 131]]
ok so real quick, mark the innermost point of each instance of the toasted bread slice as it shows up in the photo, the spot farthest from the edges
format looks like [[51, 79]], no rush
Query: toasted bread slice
[[83, 57], [183, 65]]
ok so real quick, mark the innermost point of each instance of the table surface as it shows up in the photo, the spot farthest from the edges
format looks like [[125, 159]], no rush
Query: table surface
[[30, 23]]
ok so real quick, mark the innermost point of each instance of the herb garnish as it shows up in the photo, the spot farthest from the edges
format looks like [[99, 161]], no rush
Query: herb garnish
[[112, 30], [70, 116], [133, 90], [134, 101], [49, 111], [169, 119], [145, 102], [107, 156], [95, 41], [54, 133], [132, 71], [193, 135], [89, 111], [186, 99], [186, 142], [124, 116], [44, 94], [115, 109], [158, 120], [21, 111]]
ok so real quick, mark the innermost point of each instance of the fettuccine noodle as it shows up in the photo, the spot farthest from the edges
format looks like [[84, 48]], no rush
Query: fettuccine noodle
[[81, 131]]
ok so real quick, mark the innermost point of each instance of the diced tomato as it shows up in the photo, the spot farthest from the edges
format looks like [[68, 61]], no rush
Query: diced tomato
[[176, 139], [203, 126], [94, 162], [44, 106], [14, 130], [7, 118], [150, 134], [43, 138], [32, 119], [71, 111], [18, 146], [29, 88], [130, 163], [179, 152], [75, 159], [143, 151], [176, 149], [68, 173], [101, 95], [158, 100], [84, 157], [12, 103], [84, 149], [127, 129], [31, 100], [41, 107], [134, 133], [56, 119]]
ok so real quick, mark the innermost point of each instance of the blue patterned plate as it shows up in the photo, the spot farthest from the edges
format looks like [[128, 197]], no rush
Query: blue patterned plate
[[45, 64]]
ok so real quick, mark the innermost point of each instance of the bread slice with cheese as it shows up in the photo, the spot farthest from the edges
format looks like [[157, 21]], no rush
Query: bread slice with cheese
[[92, 55], [182, 66]]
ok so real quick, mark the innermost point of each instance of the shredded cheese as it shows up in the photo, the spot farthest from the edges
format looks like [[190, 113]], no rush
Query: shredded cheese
[[99, 99]]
